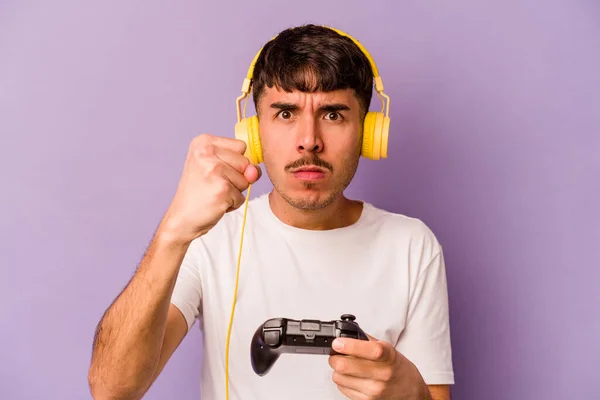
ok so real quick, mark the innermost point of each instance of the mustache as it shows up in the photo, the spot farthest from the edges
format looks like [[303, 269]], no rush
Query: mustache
[[314, 161]]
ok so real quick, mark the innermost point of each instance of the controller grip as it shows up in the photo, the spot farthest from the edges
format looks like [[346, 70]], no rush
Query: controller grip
[[262, 357], [361, 335]]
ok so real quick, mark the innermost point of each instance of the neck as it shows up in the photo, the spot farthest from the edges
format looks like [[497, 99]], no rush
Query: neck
[[338, 214]]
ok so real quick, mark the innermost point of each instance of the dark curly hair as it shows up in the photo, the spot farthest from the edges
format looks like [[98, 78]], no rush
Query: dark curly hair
[[313, 58]]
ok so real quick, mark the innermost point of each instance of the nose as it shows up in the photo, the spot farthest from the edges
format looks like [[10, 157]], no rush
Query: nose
[[309, 137]]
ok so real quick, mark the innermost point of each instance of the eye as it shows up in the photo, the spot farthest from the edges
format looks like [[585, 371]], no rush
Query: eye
[[284, 114], [333, 116]]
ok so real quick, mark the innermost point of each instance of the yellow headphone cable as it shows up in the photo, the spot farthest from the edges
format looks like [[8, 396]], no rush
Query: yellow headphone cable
[[237, 275]]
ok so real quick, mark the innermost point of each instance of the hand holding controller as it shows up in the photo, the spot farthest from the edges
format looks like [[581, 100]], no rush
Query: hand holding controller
[[277, 336]]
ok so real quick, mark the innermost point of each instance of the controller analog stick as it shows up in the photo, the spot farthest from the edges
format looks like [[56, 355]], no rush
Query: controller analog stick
[[348, 317]]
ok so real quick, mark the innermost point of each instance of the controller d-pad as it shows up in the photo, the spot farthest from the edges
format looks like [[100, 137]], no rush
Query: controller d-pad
[[272, 337]]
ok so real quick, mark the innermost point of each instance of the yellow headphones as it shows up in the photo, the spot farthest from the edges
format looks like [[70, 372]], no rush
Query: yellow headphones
[[375, 129]]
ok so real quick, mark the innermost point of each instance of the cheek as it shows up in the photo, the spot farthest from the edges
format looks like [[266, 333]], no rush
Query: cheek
[[270, 136], [275, 154], [343, 149], [278, 149], [274, 150]]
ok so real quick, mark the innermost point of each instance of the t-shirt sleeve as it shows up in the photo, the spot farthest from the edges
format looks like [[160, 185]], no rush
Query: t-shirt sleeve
[[425, 340], [187, 293]]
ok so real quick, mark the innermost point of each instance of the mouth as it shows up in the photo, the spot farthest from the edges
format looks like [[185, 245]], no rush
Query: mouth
[[309, 173]]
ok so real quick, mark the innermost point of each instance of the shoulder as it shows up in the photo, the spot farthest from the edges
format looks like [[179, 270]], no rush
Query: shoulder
[[403, 231], [400, 225]]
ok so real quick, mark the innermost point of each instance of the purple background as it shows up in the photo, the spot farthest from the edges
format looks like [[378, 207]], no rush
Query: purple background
[[494, 144]]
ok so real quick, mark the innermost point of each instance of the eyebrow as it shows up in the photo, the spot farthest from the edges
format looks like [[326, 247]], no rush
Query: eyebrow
[[278, 105]]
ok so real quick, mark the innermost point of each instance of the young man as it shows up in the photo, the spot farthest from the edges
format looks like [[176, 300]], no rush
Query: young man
[[309, 252]]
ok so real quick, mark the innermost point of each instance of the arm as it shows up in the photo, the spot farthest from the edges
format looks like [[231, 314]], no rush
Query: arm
[[440, 392], [376, 370], [141, 329], [419, 365]]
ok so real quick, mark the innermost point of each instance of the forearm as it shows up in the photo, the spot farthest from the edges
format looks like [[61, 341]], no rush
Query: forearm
[[129, 337], [424, 392], [421, 391]]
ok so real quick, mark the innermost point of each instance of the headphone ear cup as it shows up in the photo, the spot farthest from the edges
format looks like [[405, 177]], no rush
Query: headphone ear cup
[[367, 141], [247, 131], [375, 135]]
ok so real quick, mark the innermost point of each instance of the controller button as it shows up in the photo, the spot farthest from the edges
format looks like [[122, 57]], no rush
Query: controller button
[[273, 323], [310, 325], [272, 338], [348, 317]]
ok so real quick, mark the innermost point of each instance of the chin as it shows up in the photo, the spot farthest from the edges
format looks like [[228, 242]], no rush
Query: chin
[[309, 198]]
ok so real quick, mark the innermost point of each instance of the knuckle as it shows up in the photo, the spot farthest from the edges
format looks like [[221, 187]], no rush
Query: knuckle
[[387, 374], [204, 149], [377, 389], [239, 198], [222, 187], [212, 167], [216, 168], [336, 377], [377, 351], [200, 140], [341, 366]]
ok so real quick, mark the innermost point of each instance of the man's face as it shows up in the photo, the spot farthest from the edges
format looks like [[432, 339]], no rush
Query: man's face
[[311, 144]]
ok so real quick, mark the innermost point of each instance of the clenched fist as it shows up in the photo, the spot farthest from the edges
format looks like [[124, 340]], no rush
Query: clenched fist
[[214, 176]]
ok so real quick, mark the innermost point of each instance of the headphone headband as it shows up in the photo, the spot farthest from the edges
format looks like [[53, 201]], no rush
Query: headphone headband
[[378, 82], [376, 125]]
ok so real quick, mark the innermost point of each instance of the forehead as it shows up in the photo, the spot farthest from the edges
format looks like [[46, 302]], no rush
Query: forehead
[[275, 94]]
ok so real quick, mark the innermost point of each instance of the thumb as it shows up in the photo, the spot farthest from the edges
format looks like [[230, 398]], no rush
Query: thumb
[[253, 173]]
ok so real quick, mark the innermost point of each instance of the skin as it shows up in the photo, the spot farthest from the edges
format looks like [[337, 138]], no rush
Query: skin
[[140, 330], [306, 127], [328, 127]]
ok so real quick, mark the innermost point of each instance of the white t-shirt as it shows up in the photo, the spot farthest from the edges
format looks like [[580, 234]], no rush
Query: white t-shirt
[[386, 269]]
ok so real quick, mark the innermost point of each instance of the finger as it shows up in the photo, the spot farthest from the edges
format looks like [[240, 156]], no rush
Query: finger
[[232, 158], [359, 387], [236, 145], [351, 393], [253, 173], [237, 199], [237, 179], [361, 368], [374, 350]]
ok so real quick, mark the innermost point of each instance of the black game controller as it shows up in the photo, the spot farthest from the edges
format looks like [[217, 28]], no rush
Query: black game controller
[[308, 336]]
